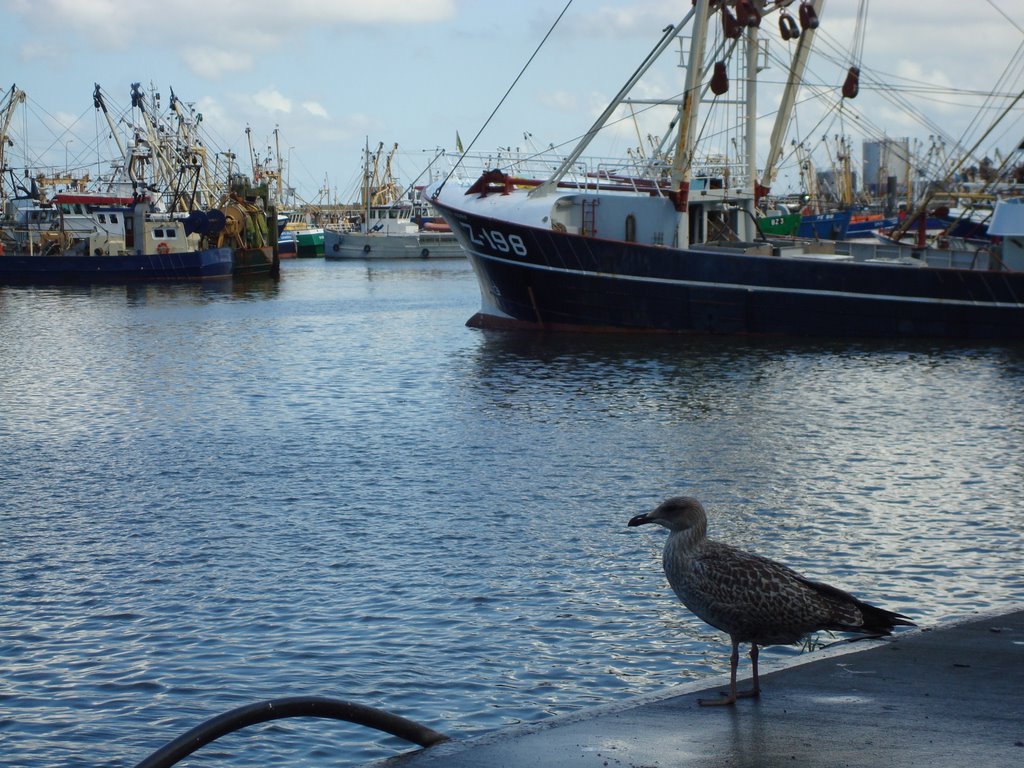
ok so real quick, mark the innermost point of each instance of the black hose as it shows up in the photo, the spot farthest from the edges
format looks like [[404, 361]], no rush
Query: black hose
[[295, 706]]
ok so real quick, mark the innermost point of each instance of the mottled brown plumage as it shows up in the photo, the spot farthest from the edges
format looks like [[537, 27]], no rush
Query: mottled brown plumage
[[751, 598]]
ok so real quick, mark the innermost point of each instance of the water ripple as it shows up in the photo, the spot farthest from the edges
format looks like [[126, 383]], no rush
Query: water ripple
[[331, 486]]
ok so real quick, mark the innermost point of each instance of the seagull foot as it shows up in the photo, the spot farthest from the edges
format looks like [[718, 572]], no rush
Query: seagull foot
[[727, 700], [753, 693]]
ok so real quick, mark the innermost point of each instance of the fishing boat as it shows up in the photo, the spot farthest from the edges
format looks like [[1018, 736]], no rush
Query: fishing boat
[[309, 242], [392, 222], [126, 245], [674, 247], [302, 236], [244, 221], [286, 244]]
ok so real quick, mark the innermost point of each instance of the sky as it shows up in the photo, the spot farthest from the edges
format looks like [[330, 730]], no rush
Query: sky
[[331, 76]]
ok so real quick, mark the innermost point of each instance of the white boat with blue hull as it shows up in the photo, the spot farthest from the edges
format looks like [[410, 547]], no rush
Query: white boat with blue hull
[[674, 247]]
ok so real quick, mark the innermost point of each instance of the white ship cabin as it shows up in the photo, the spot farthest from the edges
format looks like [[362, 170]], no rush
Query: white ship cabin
[[716, 215], [116, 232], [41, 227], [1007, 227], [156, 233], [390, 220]]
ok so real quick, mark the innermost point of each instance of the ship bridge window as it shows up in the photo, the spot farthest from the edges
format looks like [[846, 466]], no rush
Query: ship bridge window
[[392, 214], [103, 218]]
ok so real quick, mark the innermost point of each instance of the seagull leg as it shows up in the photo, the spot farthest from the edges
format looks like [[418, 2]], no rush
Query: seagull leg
[[729, 698], [756, 690]]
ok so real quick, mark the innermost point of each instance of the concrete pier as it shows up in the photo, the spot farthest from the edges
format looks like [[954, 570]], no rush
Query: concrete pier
[[946, 696]]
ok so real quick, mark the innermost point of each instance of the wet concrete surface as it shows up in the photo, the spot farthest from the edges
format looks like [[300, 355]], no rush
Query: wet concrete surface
[[945, 696]]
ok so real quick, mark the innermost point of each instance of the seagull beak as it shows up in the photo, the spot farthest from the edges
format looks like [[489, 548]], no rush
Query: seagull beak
[[639, 520]]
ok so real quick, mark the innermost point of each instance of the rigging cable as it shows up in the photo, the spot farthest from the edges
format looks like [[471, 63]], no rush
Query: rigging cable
[[503, 98]]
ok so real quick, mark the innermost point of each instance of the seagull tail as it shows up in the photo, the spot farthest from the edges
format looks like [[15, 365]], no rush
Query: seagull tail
[[874, 620], [880, 621]]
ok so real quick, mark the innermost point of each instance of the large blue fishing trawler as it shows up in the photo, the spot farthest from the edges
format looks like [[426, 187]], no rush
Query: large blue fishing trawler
[[673, 244]]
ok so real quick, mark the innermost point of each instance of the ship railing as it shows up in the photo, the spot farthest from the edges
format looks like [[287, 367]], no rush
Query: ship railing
[[540, 166]]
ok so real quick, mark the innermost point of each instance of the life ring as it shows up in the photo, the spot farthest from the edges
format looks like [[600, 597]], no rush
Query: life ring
[[163, 249], [366, 248], [424, 253]]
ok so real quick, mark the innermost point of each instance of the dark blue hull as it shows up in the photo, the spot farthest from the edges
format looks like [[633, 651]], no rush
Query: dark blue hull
[[553, 280], [192, 265], [825, 226], [866, 228]]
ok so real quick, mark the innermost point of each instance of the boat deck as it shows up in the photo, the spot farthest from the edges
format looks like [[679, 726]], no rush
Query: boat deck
[[949, 696]]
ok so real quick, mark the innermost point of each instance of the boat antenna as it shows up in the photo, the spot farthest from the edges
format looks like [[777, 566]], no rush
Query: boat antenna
[[503, 98]]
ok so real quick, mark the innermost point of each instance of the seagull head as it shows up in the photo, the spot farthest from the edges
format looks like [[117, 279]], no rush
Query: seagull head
[[680, 513]]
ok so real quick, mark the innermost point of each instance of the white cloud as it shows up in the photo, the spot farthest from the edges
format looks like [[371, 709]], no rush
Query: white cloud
[[221, 37], [315, 108], [363, 12], [272, 100]]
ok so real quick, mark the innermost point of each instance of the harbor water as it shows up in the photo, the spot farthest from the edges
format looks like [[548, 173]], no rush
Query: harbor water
[[217, 494]]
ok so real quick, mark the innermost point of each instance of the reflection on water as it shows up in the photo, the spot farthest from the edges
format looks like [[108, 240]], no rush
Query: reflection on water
[[328, 485]]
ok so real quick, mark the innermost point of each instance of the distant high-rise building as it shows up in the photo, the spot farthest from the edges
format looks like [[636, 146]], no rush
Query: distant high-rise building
[[883, 159]]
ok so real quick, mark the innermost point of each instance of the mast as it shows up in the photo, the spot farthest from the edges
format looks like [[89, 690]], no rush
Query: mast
[[683, 157], [782, 117], [252, 155], [98, 103], [366, 185], [15, 96], [280, 169], [163, 171], [751, 123]]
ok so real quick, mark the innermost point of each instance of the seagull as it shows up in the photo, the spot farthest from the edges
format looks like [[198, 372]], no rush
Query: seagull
[[751, 598]]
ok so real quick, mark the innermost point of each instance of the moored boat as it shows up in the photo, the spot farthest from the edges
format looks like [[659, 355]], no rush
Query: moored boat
[[126, 245], [309, 242], [286, 244], [831, 225], [780, 223], [677, 248], [392, 223]]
